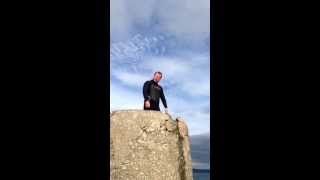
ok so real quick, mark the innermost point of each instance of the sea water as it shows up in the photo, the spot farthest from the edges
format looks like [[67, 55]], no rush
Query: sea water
[[201, 174]]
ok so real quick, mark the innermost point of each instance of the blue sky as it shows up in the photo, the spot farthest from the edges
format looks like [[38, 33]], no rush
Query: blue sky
[[169, 36]]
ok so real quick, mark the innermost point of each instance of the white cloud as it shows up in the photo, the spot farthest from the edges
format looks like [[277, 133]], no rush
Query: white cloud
[[135, 47], [194, 113], [185, 19], [197, 88], [198, 123], [191, 76], [135, 58], [119, 19], [131, 79], [200, 165], [170, 66], [181, 75], [121, 98]]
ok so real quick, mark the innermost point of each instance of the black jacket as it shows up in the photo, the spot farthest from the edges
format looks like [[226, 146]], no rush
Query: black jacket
[[152, 91]]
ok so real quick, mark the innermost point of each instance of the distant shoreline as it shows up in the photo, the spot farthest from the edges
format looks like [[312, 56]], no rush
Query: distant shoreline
[[201, 170]]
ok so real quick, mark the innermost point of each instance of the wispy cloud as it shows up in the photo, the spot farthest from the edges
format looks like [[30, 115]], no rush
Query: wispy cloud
[[121, 98], [137, 46], [172, 37], [186, 83], [186, 20], [130, 78], [169, 36]]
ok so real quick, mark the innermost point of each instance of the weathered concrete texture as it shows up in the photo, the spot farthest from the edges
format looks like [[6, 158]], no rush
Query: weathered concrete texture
[[149, 145]]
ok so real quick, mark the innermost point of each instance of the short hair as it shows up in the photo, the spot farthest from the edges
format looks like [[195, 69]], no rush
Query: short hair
[[158, 72]]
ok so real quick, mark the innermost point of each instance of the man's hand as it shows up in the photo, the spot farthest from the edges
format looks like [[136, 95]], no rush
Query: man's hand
[[147, 104]]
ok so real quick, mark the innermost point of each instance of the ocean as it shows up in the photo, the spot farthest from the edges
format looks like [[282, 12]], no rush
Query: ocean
[[201, 174]]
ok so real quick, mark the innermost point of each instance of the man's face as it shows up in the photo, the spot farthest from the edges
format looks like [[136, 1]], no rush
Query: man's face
[[157, 77]]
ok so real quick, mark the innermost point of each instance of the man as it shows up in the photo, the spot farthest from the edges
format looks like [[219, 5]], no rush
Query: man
[[152, 93]]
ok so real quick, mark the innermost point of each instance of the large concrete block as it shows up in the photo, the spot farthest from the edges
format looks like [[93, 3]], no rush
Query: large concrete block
[[149, 145]]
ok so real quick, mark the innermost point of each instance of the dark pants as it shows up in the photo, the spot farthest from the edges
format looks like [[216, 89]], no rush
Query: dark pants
[[153, 106]]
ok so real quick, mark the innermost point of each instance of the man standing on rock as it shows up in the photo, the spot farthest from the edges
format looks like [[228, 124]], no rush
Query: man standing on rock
[[152, 93]]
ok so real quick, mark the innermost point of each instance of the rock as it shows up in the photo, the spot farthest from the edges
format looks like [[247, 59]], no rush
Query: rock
[[149, 145]]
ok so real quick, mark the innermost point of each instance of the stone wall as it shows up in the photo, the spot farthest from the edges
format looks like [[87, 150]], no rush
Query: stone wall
[[149, 145]]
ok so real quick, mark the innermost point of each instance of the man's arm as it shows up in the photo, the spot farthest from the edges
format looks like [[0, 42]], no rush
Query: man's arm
[[146, 90], [163, 99]]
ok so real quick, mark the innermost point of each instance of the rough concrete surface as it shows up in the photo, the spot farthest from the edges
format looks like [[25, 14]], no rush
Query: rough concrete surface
[[149, 145]]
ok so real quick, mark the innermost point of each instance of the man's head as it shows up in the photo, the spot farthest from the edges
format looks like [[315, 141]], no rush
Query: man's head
[[157, 76]]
